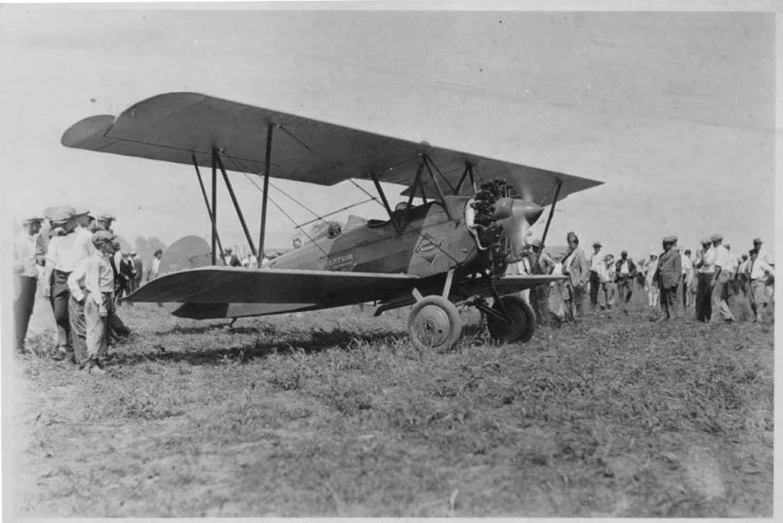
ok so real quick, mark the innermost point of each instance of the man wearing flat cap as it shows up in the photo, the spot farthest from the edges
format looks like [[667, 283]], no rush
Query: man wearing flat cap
[[28, 256], [104, 222], [597, 266], [64, 253], [720, 282], [668, 275], [91, 286]]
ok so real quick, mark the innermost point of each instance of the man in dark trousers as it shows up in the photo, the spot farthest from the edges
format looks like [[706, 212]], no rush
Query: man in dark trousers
[[139, 266], [28, 256], [668, 276], [626, 273], [127, 275], [540, 263], [63, 254], [231, 259]]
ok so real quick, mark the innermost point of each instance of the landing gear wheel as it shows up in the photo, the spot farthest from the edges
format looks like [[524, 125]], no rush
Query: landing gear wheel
[[522, 324], [434, 323]]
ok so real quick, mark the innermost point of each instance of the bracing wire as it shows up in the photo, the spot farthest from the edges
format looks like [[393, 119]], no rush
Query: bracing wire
[[241, 167]]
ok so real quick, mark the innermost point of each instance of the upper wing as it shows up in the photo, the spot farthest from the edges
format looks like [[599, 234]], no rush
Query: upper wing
[[171, 127], [292, 289]]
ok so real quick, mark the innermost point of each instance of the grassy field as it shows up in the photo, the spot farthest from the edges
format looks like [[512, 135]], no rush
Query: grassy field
[[335, 414]]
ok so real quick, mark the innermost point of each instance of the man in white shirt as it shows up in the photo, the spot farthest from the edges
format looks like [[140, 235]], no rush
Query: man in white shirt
[[705, 269], [91, 286], [766, 258], [653, 291], [155, 265], [64, 253], [758, 272], [597, 266], [763, 254], [28, 256], [626, 272], [720, 304]]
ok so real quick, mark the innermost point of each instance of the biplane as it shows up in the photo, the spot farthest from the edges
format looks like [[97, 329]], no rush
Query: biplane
[[461, 219]]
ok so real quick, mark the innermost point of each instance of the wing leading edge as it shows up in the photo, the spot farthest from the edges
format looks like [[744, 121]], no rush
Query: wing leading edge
[[175, 127]]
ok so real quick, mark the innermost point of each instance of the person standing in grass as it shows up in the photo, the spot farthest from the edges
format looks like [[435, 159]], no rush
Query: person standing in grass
[[609, 276], [720, 281], [92, 289], [597, 283], [766, 258], [625, 269], [540, 263], [705, 267], [577, 268], [155, 265], [687, 276], [758, 272], [653, 292], [668, 275], [63, 255], [28, 256]]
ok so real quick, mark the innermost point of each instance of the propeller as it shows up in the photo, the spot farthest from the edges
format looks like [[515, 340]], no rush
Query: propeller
[[516, 215]]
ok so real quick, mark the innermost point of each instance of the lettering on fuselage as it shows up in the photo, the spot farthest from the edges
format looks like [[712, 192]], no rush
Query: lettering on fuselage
[[428, 247], [342, 262]]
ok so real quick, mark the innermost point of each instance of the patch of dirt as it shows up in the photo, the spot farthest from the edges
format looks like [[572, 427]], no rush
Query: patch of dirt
[[703, 473]]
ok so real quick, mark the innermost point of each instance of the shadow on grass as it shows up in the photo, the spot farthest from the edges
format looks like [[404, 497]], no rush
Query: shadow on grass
[[204, 329], [309, 344]]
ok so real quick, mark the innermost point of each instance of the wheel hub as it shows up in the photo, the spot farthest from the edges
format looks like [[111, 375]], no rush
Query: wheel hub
[[432, 325]]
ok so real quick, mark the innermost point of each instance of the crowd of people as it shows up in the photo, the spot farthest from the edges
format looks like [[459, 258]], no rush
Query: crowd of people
[[84, 277], [674, 281], [83, 274]]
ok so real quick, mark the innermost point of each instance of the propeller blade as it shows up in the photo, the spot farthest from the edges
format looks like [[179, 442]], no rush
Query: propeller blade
[[516, 216]]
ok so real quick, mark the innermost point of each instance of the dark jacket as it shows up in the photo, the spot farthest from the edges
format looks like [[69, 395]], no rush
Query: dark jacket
[[127, 271], [631, 268], [669, 271]]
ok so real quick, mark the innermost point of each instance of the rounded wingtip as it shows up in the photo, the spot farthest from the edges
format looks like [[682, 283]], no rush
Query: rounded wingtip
[[85, 131]]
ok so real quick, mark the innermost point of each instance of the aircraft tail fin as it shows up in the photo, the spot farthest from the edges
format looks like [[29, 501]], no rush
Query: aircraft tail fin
[[190, 252]]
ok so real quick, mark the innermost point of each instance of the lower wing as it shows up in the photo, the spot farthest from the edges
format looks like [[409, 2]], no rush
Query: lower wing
[[221, 292], [512, 284]]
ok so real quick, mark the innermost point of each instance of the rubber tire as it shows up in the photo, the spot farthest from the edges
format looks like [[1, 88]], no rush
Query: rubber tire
[[439, 309], [523, 321]]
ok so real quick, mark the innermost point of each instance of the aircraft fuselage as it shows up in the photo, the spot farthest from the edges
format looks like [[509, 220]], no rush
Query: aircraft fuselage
[[428, 244]]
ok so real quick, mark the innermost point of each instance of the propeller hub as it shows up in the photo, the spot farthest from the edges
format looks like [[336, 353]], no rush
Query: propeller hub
[[517, 210]]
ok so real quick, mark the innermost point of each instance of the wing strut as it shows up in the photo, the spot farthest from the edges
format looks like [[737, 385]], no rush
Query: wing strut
[[206, 202], [214, 209], [551, 213], [462, 179], [427, 163], [416, 183], [236, 204], [385, 201], [267, 166]]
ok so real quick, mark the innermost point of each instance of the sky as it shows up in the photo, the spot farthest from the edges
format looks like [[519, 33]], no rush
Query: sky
[[674, 112]]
